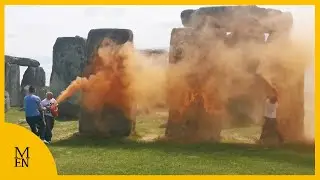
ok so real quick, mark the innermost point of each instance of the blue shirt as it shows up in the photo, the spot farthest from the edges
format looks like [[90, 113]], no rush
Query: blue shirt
[[32, 105]]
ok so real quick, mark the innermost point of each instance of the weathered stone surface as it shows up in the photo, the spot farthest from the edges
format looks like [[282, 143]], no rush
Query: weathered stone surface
[[21, 61], [247, 23], [291, 110], [186, 16], [95, 36], [177, 51], [188, 119], [36, 77], [68, 62], [157, 57], [110, 121], [7, 101], [12, 83], [230, 16], [153, 51], [248, 108]]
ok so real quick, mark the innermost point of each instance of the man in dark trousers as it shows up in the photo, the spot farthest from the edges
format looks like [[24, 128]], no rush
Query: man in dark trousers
[[32, 108], [49, 119], [270, 126]]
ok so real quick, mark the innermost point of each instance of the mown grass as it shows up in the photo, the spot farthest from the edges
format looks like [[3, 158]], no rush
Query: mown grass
[[235, 155]]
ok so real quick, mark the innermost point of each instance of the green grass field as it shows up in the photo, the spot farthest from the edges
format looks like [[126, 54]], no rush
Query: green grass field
[[236, 154]]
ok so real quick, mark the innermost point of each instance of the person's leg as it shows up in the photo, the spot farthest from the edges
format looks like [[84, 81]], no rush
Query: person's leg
[[264, 129], [42, 127], [52, 123], [49, 127], [38, 124], [32, 123]]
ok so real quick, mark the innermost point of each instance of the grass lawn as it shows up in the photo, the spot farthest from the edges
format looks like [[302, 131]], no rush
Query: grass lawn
[[235, 155]]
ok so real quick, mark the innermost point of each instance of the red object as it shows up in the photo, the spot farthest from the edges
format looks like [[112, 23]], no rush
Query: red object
[[54, 110]]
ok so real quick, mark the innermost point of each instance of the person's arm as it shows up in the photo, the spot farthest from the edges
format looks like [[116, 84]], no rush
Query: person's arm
[[38, 100], [24, 103], [54, 102], [274, 90], [42, 103]]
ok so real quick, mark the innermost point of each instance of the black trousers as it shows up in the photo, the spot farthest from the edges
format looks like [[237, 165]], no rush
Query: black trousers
[[37, 125], [49, 126], [270, 128]]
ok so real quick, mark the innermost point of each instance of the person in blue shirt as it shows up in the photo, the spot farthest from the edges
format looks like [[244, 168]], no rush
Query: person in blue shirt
[[33, 110]]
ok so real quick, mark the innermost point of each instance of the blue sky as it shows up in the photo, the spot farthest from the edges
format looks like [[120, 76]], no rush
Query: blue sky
[[30, 31]]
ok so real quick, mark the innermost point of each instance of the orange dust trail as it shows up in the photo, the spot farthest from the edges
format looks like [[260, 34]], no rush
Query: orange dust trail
[[75, 86], [104, 85], [121, 77]]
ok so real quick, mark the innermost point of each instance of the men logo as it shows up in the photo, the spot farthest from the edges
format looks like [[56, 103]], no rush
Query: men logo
[[22, 159]]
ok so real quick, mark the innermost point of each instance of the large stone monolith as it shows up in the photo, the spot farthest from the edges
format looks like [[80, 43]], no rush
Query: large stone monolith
[[12, 76], [68, 62], [12, 83], [7, 101], [36, 77], [248, 23], [189, 120], [111, 121]]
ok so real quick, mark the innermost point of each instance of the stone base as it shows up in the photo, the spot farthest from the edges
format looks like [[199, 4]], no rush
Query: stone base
[[110, 122], [68, 110], [195, 125]]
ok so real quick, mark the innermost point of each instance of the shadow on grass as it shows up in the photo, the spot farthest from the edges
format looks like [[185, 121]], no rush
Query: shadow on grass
[[302, 155], [66, 119]]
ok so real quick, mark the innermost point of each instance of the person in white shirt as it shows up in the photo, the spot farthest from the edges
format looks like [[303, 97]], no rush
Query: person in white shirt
[[49, 119], [270, 117]]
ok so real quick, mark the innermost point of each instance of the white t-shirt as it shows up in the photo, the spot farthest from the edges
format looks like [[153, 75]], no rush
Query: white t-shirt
[[270, 109], [45, 103]]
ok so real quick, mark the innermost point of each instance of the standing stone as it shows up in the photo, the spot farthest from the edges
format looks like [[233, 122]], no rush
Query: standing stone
[[188, 119], [12, 83], [12, 76], [247, 23], [110, 121], [36, 77], [68, 63], [95, 37], [7, 101]]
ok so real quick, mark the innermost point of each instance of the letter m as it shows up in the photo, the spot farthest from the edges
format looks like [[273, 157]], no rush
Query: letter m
[[21, 154]]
